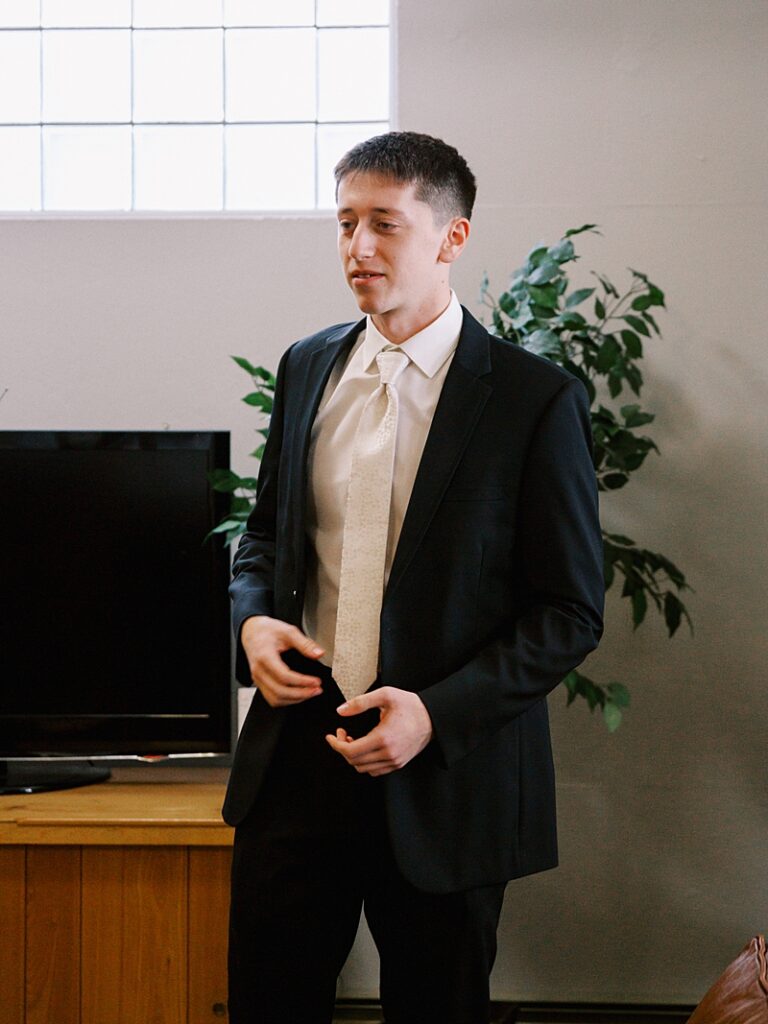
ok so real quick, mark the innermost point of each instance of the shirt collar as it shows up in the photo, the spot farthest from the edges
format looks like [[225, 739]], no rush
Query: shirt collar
[[429, 348]]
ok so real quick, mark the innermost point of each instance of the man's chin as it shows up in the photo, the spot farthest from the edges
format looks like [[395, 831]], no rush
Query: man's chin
[[367, 304]]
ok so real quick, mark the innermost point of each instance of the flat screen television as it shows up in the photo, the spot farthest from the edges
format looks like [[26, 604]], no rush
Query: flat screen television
[[114, 617]]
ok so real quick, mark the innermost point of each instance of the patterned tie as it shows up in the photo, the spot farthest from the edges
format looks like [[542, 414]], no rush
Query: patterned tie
[[366, 529]]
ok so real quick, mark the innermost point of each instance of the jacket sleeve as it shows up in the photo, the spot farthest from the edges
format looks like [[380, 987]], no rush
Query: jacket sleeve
[[559, 547], [253, 566]]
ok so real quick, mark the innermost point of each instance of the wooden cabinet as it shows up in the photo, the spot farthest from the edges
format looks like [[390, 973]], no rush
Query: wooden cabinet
[[113, 905]]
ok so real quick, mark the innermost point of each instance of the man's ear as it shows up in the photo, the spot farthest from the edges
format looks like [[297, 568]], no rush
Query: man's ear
[[455, 237]]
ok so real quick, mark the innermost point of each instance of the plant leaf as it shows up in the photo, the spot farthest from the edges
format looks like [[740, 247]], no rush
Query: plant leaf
[[260, 400], [542, 342], [633, 344], [535, 256], [578, 296], [584, 227], [673, 611], [608, 353], [571, 684], [545, 296], [639, 607], [561, 251], [248, 367], [619, 538], [224, 480], [612, 715], [618, 694], [608, 288], [647, 316], [544, 273], [238, 504], [638, 323]]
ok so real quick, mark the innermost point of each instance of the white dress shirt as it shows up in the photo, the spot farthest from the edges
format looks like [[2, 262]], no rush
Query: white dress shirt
[[330, 452]]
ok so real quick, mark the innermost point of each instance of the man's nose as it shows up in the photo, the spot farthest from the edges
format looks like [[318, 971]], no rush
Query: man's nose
[[361, 245]]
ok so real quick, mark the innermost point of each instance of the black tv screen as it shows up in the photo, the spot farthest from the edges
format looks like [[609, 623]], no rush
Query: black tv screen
[[114, 617]]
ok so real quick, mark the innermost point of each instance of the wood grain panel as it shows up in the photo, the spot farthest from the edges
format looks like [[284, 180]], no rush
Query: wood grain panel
[[114, 813], [53, 935], [134, 935], [103, 934], [12, 899], [209, 871]]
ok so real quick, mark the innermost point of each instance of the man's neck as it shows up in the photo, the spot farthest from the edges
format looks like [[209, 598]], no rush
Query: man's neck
[[400, 328]]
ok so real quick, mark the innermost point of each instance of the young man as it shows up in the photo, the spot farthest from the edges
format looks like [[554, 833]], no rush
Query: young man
[[422, 566]]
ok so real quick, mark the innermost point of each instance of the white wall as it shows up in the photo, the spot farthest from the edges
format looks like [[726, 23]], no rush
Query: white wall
[[647, 118]]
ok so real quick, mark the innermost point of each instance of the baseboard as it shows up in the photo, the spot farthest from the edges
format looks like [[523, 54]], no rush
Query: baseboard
[[369, 1012], [593, 1013]]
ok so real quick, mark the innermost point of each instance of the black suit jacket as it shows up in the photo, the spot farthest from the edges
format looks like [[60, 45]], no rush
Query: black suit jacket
[[495, 594]]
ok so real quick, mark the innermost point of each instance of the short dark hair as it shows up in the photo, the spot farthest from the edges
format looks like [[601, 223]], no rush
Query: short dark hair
[[438, 171]]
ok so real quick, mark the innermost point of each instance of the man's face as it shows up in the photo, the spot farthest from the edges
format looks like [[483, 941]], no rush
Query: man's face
[[392, 252]]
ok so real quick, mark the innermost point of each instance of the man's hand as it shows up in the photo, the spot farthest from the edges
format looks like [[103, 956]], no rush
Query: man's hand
[[404, 730], [263, 638]]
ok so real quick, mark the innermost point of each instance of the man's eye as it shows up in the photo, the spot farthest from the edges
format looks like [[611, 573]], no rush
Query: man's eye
[[385, 225], [345, 225]]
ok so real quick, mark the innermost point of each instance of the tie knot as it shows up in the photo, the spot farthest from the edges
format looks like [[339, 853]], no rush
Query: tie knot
[[391, 362]]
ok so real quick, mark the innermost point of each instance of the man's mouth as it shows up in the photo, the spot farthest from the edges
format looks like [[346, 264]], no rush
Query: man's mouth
[[365, 276]]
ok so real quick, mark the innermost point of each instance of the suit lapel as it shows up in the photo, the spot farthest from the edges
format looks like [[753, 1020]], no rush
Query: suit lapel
[[458, 409]]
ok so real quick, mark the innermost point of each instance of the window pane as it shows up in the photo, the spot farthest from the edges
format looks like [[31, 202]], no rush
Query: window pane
[[179, 167], [87, 75], [19, 13], [19, 76], [270, 74], [333, 141], [87, 13], [20, 168], [354, 74], [87, 168], [269, 12], [177, 75], [271, 167], [352, 12], [176, 13]]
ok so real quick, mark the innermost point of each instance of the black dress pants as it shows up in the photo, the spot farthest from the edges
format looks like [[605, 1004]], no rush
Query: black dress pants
[[310, 854]]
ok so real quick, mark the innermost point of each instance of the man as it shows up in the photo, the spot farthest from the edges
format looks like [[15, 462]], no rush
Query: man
[[422, 566]]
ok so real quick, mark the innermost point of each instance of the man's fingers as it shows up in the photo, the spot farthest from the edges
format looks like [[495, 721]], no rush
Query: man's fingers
[[373, 699], [306, 645], [345, 745], [281, 685], [271, 666], [264, 639], [364, 747], [373, 764], [353, 750], [279, 696]]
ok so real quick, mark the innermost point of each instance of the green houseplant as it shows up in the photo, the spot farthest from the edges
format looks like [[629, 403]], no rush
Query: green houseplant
[[243, 488], [603, 349]]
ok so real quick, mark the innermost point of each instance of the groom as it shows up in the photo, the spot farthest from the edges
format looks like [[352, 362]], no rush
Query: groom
[[422, 566]]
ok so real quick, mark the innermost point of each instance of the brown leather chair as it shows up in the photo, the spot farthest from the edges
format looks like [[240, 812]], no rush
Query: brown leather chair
[[740, 994]]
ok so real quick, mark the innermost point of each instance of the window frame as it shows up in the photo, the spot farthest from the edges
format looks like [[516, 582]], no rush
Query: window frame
[[316, 213]]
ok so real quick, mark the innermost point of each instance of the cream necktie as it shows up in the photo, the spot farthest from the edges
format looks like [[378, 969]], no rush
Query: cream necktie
[[366, 529]]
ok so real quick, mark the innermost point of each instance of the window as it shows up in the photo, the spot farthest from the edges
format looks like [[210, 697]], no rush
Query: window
[[186, 104]]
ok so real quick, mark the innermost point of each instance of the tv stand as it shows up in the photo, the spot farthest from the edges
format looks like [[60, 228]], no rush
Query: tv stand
[[114, 902], [39, 776]]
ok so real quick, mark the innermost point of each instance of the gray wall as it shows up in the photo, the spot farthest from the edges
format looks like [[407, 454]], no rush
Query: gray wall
[[644, 117]]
